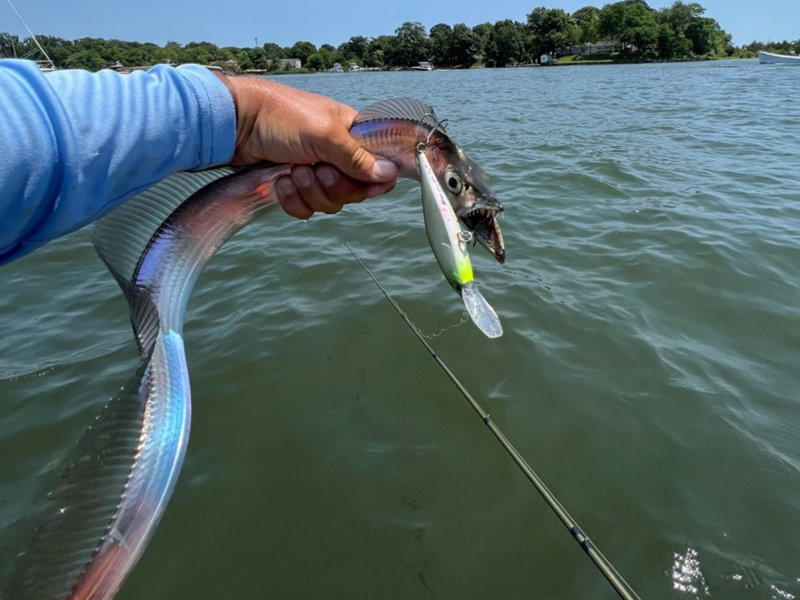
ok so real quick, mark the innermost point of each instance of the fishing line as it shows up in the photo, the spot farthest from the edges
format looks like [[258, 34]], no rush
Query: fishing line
[[621, 586], [464, 319]]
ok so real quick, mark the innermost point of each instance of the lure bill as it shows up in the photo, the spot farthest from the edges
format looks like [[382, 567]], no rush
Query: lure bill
[[449, 244]]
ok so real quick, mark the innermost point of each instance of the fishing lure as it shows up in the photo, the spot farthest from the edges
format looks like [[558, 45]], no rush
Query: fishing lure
[[449, 244]]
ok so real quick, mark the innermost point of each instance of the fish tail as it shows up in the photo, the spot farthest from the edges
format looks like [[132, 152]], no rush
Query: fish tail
[[106, 504], [81, 508]]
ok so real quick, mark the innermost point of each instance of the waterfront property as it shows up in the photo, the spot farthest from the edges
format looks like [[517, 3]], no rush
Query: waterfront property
[[288, 63]]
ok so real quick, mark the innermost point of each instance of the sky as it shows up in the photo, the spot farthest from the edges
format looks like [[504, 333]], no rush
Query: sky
[[241, 22]]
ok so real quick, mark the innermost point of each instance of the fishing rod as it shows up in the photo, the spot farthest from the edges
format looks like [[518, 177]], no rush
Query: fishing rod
[[623, 589]]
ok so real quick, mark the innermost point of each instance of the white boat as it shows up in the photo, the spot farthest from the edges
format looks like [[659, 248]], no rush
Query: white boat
[[423, 66], [337, 68], [768, 58], [353, 68]]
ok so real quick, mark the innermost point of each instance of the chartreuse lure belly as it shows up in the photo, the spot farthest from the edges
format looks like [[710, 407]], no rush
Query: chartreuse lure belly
[[449, 244]]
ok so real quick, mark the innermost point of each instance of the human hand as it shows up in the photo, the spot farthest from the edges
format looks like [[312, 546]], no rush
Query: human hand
[[282, 124]]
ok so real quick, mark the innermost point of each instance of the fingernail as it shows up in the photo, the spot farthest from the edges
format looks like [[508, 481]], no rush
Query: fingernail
[[303, 177], [326, 176], [375, 190], [384, 169], [286, 186]]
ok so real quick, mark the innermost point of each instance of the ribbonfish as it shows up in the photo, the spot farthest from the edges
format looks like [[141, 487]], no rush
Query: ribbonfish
[[449, 244], [110, 499]]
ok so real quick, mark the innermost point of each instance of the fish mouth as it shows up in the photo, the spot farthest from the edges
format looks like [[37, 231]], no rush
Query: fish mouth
[[481, 220]]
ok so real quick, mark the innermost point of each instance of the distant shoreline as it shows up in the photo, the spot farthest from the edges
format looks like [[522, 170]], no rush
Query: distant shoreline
[[588, 63]]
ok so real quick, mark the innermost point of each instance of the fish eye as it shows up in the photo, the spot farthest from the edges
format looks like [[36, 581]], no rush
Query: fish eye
[[453, 181]]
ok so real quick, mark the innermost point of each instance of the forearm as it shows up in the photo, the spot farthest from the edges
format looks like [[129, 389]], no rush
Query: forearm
[[73, 144]]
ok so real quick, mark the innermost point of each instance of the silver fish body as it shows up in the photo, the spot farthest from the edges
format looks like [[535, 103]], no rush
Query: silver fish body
[[113, 495]]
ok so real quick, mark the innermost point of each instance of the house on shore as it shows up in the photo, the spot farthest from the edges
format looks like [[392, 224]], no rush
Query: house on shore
[[589, 48], [294, 63]]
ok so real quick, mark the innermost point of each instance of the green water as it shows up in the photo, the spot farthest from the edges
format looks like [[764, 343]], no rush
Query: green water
[[649, 371]]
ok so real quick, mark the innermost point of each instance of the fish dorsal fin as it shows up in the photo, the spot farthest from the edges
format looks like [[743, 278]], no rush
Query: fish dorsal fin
[[78, 512], [122, 236], [399, 108]]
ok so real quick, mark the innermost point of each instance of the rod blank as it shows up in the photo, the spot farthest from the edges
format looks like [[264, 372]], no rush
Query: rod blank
[[621, 586]]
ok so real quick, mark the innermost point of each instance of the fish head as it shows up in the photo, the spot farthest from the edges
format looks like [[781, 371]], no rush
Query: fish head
[[466, 186]]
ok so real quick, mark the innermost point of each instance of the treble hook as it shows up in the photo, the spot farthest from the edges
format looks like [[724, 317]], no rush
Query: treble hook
[[437, 124]]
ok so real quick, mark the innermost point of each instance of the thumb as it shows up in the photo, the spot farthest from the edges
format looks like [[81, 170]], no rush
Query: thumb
[[345, 153]]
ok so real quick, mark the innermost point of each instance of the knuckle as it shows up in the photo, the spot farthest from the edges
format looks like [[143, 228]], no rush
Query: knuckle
[[303, 177]]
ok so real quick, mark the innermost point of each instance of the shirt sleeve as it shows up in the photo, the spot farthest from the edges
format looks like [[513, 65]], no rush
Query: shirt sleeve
[[74, 144]]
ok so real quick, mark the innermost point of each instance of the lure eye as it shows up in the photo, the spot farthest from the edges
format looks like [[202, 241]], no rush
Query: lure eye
[[454, 183]]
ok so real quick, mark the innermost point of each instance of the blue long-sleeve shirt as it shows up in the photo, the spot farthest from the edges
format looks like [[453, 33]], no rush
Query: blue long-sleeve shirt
[[73, 144]]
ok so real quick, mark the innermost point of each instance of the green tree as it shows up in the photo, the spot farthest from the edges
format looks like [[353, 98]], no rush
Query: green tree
[[327, 52], [465, 45], [85, 59], [302, 50], [170, 52], [315, 62], [587, 20], [610, 21], [380, 50], [641, 28], [342, 55], [701, 33], [352, 50], [504, 45], [58, 49], [629, 23], [200, 52], [483, 31], [441, 40], [680, 15], [257, 59], [9, 45], [151, 51], [670, 44], [135, 57], [355, 48], [411, 45], [723, 42], [272, 51], [551, 29]]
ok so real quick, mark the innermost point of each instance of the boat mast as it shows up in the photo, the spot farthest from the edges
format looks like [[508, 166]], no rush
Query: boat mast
[[50, 62]]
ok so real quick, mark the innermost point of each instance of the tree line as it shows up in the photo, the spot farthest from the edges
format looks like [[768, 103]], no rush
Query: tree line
[[784, 47], [628, 26]]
